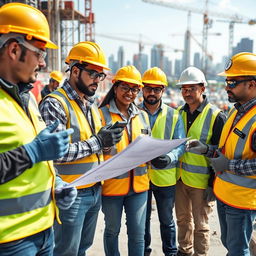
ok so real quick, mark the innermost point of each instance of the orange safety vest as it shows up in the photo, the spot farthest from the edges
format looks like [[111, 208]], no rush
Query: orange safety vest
[[70, 171], [120, 185], [235, 142]]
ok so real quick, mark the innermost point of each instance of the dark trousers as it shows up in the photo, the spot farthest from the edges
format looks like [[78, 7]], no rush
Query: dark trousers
[[164, 197]]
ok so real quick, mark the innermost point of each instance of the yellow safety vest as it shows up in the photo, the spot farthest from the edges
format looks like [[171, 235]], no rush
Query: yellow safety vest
[[26, 202], [194, 169], [164, 129], [235, 142], [120, 185], [70, 171]]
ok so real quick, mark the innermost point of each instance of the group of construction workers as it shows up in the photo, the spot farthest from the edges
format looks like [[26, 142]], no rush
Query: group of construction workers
[[44, 148]]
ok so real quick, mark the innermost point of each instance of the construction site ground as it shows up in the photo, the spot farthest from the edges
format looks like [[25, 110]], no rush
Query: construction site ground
[[216, 247]]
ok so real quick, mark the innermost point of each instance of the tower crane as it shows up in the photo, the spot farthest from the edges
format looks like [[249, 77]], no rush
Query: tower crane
[[235, 18]]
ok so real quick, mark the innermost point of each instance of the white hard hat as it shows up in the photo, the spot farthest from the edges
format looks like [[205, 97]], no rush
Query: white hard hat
[[192, 75]]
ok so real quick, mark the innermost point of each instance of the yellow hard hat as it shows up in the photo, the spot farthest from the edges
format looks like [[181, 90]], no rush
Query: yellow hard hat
[[241, 64], [88, 52], [25, 19], [56, 75], [154, 76], [128, 74]]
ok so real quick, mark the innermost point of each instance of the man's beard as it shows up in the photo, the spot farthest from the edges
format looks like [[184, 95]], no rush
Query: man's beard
[[233, 98], [82, 87], [151, 101]]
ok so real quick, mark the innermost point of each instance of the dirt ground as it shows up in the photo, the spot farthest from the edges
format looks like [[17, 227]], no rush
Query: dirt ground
[[216, 248]]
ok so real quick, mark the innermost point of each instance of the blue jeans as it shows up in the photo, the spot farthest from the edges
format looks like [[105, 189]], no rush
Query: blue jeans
[[75, 235], [40, 244], [135, 209], [165, 197], [236, 228]]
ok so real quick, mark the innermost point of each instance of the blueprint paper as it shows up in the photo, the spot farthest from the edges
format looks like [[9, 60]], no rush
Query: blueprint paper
[[141, 150]]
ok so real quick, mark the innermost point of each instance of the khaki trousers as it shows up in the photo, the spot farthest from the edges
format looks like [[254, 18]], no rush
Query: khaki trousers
[[192, 213]]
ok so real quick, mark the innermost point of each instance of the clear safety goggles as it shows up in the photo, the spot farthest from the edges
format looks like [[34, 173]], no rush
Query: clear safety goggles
[[41, 55]]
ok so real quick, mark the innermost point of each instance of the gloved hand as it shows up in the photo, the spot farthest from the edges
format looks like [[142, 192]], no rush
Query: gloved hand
[[49, 145], [196, 146], [161, 162], [64, 197], [219, 163], [109, 137], [209, 195]]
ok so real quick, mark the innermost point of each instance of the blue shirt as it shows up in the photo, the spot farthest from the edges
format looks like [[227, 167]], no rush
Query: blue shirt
[[179, 132]]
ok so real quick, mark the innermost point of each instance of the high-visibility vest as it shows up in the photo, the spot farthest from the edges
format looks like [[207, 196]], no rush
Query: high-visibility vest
[[26, 202], [235, 143], [194, 169], [164, 129], [70, 171], [120, 185]]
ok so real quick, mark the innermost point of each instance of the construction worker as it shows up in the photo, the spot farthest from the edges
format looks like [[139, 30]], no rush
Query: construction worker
[[27, 177], [54, 82], [234, 161], [73, 106], [194, 196], [165, 123], [128, 191]]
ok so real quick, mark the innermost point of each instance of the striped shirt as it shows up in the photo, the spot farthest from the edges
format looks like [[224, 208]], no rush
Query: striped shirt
[[51, 109]]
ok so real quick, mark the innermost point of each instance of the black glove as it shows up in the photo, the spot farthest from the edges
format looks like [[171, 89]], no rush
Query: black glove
[[161, 161], [209, 195], [109, 137]]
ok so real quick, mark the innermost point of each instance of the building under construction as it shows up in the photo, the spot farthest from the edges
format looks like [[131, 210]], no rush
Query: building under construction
[[70, 22]]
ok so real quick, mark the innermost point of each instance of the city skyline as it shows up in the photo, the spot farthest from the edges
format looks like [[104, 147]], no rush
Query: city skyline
[[136, 20]]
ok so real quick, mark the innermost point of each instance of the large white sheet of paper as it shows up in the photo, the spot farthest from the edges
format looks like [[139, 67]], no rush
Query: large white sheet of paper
[[140, 151]]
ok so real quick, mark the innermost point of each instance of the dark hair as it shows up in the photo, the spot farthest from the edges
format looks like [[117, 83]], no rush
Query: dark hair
[[110, 95]]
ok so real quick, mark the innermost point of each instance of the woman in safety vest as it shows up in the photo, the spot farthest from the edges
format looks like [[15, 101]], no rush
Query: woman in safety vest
[[128, 191]]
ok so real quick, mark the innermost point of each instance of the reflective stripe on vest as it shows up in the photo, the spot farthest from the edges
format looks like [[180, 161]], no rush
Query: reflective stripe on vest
[[235, 190], [164, 129], [26, 207], [70, 171], [25, 203], [120, 185], [194, 169]]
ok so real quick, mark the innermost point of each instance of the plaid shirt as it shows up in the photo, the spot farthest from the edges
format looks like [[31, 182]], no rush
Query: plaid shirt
[[51, 109], [243, 167]]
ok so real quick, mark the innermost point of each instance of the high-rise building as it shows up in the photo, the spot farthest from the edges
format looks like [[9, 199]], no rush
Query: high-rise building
[[197, 61], [167, 66], [120, 57], [155, 57], [186, 52], [112, 64], [245, 45], [140, 61], [177, 68]]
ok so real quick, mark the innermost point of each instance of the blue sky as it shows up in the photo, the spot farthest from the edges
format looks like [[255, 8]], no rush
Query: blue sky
[[156, 24]]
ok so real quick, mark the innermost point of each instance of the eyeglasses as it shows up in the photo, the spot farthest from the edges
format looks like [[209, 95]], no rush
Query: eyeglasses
[[233, 83], [93, 74], [189, 90], [41, 55], [156, 90], [126, 88]]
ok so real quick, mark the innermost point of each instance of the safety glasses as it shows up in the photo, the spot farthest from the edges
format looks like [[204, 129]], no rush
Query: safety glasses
[[93, 74], [126, 88], [41, 55], [233, 83], [156, 90]]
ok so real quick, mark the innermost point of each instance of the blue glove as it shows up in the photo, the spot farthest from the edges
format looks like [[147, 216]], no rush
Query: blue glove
[[49, 145], [219, 163], [65, 197]]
